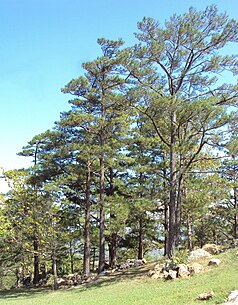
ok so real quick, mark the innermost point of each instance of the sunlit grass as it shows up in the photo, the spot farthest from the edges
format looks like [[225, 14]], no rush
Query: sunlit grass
[[136, 288]]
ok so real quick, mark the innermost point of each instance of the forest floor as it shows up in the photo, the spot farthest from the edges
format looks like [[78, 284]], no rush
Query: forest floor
[[134, 287]]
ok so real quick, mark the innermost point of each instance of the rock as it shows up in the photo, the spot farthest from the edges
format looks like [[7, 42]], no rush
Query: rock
[[124, 266], [211, 248], [61, 282], [195, 268], [138, 262], [214, 262], [144, 261], [183, 270], [135, 262], [205, 296], [158, 268], [156, 276], [172, 274], [198, 254], [233, 296], [151, 272]]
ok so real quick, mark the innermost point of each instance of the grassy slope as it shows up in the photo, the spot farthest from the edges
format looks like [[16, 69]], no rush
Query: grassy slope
[[136, 288]]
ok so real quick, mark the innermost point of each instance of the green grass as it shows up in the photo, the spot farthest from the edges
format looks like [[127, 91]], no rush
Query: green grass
[[136, 288]]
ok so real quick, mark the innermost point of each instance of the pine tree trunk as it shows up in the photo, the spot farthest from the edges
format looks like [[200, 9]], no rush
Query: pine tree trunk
[[178, 209], [166, 228], [140, 239], [36, 262], [113, 237], [55, 276], [101, 264], [236, 215], [166, 208], [87, 223], [71, 257], [113, 250], [172, 195], [189, 230]]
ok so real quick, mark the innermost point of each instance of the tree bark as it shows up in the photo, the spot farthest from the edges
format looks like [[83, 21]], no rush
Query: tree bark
[[101, 263], [166, 228], [113, 250], [236, 214], [172, 194], [55, 276], [189, 230], [87, 223], [71, 257], [166, 208], [36, 262], [140, 240]]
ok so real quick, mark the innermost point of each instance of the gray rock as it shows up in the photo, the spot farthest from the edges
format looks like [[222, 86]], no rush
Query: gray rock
[[214, 262], [171, 275], [195, 268], [183, 270], [198, 254]]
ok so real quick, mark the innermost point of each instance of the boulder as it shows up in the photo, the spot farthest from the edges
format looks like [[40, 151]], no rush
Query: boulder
[[211, 248], [123, 266], [171, 275], [198, 254], [195, 268], [61, 282], [157, 275], [183, 270], [233, 296], [138, 263], [159, 268], [151, 272], [206, 295], [214, 262]]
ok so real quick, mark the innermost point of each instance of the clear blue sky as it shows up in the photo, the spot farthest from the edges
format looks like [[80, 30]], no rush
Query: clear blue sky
[[43, 44]]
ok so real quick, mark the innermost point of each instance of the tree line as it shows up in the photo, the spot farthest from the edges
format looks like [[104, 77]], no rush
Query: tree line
[[145, 158]]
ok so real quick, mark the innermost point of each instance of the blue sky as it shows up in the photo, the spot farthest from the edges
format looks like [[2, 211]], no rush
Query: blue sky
[[43, 44]]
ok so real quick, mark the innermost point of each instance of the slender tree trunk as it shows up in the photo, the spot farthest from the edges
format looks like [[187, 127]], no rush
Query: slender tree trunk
[[18, 277], [166, 228], [113, 250], [113, 237], [178, 210], [172, 195], [140, 239], [94, 257], [189, 230], [236, 214], [36, 262], [101, 265], [54, 264], [166, 208], [71, 253], [87, 223], [44, 269]]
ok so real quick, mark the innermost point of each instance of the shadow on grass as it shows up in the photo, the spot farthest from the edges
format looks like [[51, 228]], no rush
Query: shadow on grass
[[22, 293], [129, 274]]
